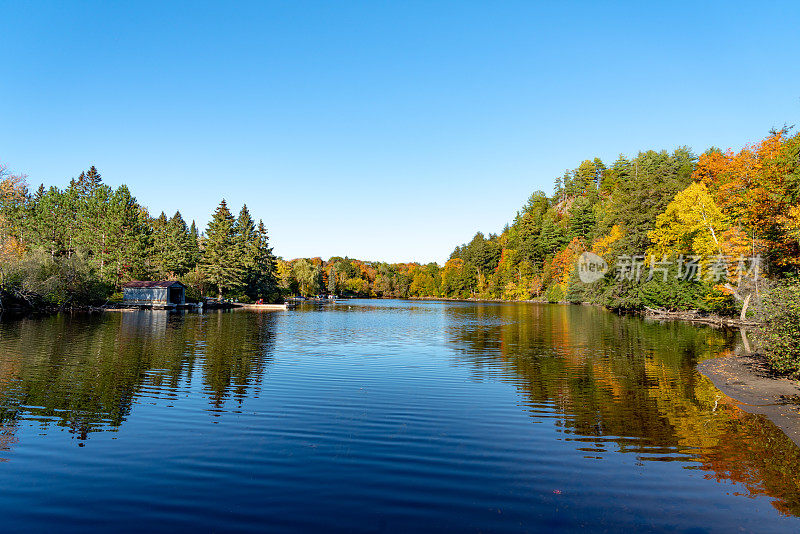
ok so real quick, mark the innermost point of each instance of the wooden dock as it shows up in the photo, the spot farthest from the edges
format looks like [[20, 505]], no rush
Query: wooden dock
[[262, 307]]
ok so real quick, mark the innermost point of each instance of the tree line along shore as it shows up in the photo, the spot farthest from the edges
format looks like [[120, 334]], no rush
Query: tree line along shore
[[79, 245], [710, 234]]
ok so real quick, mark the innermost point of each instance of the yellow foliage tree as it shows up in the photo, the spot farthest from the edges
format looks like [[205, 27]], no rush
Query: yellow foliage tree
[[692, 223], [791, 222], [602, 245]]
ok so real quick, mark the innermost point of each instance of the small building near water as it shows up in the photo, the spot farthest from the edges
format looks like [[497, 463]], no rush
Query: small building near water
[[165, 293]]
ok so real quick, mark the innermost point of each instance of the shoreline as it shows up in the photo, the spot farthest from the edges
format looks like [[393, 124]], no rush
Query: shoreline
[[16, 313], [755, 389], [660, 315]]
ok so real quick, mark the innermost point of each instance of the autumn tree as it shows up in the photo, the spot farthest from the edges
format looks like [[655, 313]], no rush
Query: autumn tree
[[691, 224]]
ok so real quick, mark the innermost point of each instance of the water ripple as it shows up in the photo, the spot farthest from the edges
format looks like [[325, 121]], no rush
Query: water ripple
[[370, 416]]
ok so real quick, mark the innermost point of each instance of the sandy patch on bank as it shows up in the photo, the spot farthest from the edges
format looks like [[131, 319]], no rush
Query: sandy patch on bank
[[749, 382]]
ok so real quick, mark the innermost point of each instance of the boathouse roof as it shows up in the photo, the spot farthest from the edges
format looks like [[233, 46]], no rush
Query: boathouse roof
[[141, 284]]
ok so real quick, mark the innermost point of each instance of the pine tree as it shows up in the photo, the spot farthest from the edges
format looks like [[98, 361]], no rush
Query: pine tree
[[89, 181], [266, 282], [558, 188], [161, 246], [178, 252], [93, 226], [571, 186], [128, 238], [588, 176], [193, 246], [49, 222], [552, 236], [72, 206], [246, 241], [581, 218], [332, 282], [220, 257], [247, 245]]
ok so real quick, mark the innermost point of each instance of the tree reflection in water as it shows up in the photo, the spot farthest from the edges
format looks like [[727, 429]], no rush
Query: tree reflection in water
[[85, 373], [614, 384], [632, 383]]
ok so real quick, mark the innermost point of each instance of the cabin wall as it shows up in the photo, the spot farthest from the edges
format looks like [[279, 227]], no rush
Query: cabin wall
[[145, 296]]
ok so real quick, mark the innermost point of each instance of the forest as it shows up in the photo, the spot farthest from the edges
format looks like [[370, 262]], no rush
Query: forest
[[78, 245], [732, 216]]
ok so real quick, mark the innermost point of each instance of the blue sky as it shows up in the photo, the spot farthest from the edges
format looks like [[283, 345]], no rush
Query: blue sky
[[379, 130]]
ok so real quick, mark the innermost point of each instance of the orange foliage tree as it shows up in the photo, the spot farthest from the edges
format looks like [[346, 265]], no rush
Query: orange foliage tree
[[757, 190]]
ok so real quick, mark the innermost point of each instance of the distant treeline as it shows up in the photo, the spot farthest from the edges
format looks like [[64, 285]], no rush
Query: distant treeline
[[715, 215], [80, 244]]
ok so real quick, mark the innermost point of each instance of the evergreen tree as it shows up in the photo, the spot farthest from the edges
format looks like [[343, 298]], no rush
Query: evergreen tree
[[558, 188], [553, 237], [128, 238], [220, 260], [178, 254], [332, 282], [89, 181], [581, 219], [266, 266], [247, 243], [571, 188], [161, 247], [93, 226], [528, 227], [255, 258], [653, 179], [49, 222], [193, 246], [585, 177]]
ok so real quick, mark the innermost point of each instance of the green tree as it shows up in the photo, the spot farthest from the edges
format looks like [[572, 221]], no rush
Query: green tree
[[247, 244], [180, 255], [308, 276], [161, 246], [553, 236], [220, 260], [193, 245], [128, 238], [262, 281], [581, 218]]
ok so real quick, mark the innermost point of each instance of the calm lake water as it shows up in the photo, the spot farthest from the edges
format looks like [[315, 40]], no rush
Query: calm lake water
[[371, 416]]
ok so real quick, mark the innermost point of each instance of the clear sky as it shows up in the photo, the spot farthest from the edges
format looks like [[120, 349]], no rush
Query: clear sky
[[380, 130]]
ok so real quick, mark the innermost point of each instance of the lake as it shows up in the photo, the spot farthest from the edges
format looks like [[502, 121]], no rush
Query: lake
[[381, 415]]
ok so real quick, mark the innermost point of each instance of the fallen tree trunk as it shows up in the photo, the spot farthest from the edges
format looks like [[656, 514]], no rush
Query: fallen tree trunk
[[695, 316]]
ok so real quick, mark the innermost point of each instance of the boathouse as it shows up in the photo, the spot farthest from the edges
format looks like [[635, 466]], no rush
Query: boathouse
[[163, 293]]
